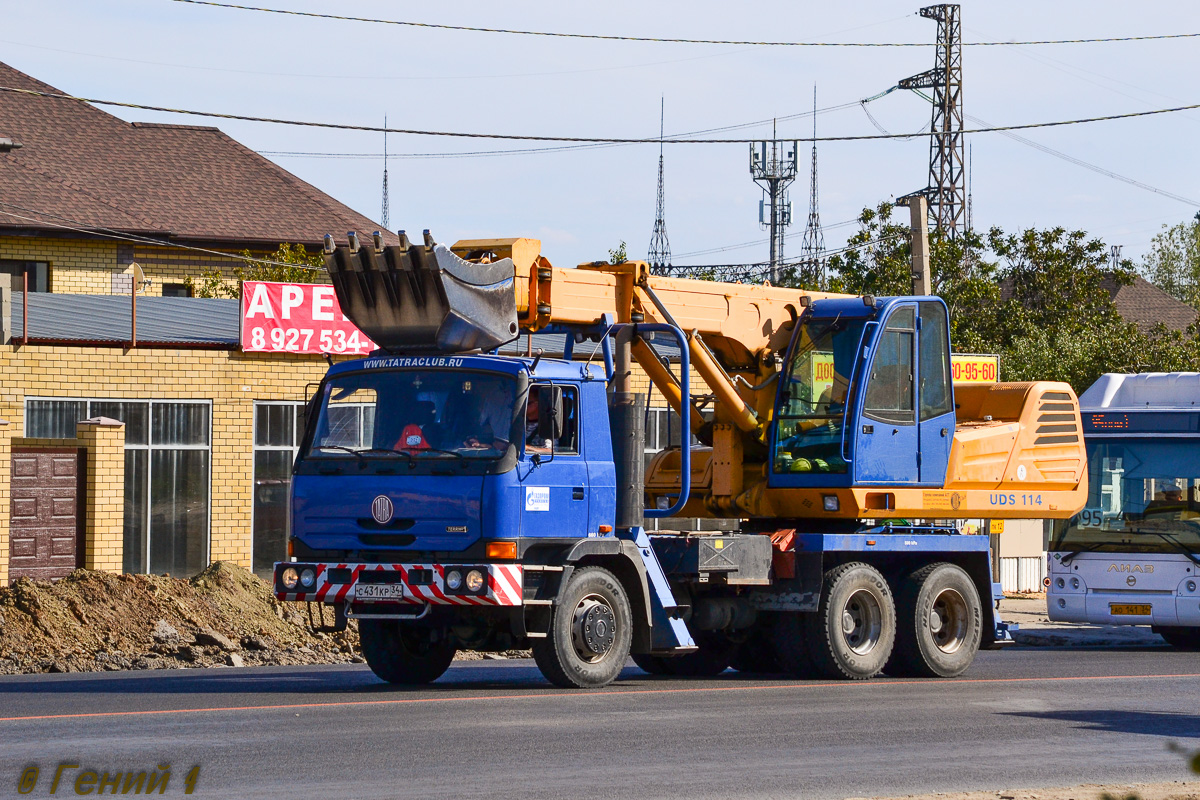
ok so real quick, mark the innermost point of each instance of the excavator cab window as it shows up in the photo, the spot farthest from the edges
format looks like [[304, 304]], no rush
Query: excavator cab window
[[890, 385], [808, 425]]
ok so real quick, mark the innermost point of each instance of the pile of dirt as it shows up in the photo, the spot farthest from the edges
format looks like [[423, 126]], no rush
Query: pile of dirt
[[93, 621]]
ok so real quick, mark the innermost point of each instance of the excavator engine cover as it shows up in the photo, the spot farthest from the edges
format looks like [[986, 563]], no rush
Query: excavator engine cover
[[412, 298]]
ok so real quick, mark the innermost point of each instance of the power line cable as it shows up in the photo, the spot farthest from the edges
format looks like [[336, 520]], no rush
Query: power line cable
[[1076, 161], [585, 139], [663, 39]]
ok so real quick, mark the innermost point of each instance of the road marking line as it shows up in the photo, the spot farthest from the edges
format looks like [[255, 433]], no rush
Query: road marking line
[[603, 693]]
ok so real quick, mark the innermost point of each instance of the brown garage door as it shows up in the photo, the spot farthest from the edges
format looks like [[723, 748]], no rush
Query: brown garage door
[[44, 535]]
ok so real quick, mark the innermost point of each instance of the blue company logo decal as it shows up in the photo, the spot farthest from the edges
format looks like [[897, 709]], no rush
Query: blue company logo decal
[[381, 509]]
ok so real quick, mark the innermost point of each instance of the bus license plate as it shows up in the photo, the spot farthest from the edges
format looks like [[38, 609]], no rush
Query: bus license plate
[[1129, 610], [379, 591]]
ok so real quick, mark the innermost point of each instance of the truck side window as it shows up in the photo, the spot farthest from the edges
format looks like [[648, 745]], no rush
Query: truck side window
[[890, 385], [935, 362], [568, 443]]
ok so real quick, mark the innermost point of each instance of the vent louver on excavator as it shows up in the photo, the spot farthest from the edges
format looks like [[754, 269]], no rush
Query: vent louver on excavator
[[422, 298]]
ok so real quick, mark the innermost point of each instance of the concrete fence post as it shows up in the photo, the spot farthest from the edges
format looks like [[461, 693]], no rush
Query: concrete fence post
[[104, 493]]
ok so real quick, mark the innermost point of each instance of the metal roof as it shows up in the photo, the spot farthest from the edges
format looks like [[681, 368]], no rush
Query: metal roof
[[206, 322], [106, 318]]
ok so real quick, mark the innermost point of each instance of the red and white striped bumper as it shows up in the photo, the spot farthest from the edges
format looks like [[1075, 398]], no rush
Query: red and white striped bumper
[[503, 584]]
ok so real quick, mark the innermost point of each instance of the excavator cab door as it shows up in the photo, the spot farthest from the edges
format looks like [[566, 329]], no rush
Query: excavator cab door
[[886, 428]]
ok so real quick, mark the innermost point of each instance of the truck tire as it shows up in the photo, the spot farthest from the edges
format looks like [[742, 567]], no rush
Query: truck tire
[[654, 665], [852, 633], [757, 654], [590, 632], [789, 645], [404, 654], [712, 658], [940, 625], [1178, 637]]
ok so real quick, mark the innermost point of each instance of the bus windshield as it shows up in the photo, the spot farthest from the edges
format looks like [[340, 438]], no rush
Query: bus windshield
[[808, 425], [415, 414], [1143, 497]]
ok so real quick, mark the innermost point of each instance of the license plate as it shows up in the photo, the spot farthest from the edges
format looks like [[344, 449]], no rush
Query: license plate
[[1129, 610], [379, 591]]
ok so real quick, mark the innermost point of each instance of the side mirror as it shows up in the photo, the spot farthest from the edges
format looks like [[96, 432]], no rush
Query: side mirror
[[550, 412]]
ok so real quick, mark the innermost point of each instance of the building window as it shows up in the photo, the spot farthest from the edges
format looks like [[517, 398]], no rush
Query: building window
[[278, 429], [39, 275], [176, 290], [168, 458]]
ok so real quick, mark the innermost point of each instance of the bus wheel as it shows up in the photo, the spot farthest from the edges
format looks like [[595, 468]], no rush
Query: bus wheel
[[1179, 638], [590, 632], [404, 654], [852, 633], [940, 623]]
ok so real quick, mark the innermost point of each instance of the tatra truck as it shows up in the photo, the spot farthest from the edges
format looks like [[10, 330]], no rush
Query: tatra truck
[[447, 495], [1132, 555]]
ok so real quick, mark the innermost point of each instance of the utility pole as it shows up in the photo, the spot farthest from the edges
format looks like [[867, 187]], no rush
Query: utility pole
[[385, 212], [813, 245], [773, 167], [659, 255], [945, 192]]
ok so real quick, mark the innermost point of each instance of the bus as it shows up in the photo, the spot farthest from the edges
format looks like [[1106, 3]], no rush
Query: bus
[[1132, 555]]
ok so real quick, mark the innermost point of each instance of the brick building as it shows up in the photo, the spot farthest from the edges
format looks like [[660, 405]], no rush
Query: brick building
[[209, 431]]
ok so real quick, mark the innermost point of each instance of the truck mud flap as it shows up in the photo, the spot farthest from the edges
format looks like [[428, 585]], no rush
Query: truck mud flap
[[670, 633], [415, 298]]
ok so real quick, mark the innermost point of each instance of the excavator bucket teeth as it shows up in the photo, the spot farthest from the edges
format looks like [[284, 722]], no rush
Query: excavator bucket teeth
[[424, 299]]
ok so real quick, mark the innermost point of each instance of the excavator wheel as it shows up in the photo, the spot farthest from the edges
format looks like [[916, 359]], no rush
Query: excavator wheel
[[404, 654], [852, 633], [590, 632], [939, 623]]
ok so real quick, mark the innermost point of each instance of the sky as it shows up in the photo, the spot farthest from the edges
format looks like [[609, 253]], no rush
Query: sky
[[581, 202]]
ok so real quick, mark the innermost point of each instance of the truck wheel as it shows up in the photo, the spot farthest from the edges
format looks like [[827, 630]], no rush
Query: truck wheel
[[1178, 637], [852, 633], [757, 654], [590, 632], [789, 645], [940, 623], [655, 665], [712, 658], [404, 654]]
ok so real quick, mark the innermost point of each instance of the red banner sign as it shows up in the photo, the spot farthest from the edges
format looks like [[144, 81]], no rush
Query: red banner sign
[[297, 318]]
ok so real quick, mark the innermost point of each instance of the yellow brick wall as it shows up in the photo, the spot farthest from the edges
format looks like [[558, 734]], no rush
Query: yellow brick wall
[[232, 381], [6, 431], [104, 493], [86, 266]]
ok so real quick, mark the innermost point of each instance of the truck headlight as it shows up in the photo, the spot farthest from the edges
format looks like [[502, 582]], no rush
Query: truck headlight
[[308, 577], [453, 580], [289, 578], [474, 580]]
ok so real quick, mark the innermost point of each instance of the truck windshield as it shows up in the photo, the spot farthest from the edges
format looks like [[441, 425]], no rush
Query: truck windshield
[[1143, 497], [808, 424], [415, 414]]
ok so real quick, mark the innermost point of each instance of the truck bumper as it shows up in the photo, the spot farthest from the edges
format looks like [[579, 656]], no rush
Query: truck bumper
[[406, 584]]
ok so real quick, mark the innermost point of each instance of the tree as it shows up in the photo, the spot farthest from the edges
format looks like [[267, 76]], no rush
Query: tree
[[288, 264], [618, 254], [1173, 261]]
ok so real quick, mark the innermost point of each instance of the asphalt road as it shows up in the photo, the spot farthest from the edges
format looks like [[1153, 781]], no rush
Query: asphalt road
[[1019, 718]]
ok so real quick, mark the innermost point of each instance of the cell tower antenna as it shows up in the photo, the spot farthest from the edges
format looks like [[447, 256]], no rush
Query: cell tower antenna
[[773, 167], [659, 255], [970, 185], [813, 246], [946, 191], [384, 213]]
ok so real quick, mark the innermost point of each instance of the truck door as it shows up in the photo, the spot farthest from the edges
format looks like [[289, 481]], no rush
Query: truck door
[[935, 392], [554, 492], [887, 433]]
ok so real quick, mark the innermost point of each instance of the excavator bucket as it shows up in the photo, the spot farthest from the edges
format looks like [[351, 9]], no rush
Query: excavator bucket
[[415, 298]]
